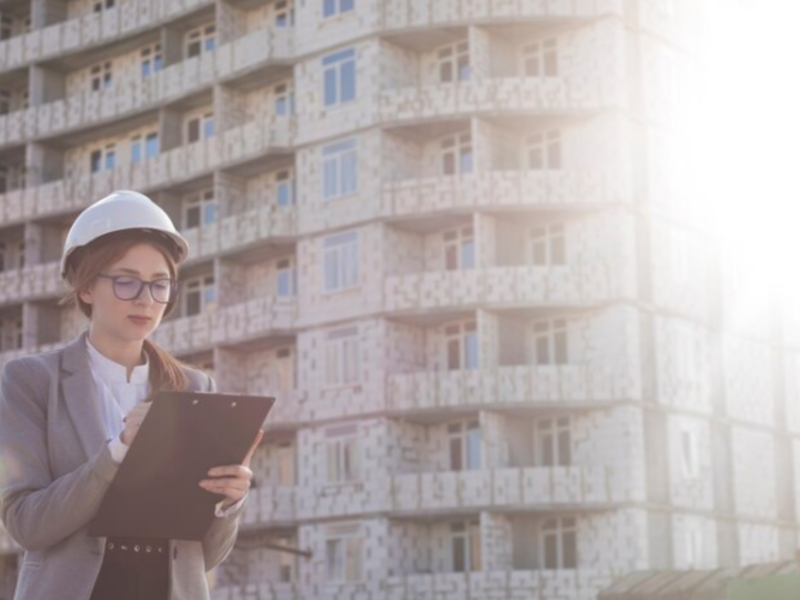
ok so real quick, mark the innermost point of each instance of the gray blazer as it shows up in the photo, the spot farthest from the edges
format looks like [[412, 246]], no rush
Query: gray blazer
[[55, 467]]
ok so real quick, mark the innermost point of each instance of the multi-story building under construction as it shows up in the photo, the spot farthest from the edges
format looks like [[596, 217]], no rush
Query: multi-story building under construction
[[452, 238]]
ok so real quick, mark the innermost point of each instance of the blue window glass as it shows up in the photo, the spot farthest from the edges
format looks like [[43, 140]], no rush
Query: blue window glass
[[208, 127], [151, 145], [471, 350], [111, 158], [136, 152], [339, 76]]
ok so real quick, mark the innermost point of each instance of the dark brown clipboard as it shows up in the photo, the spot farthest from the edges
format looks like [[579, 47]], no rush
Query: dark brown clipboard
[[155, 492]]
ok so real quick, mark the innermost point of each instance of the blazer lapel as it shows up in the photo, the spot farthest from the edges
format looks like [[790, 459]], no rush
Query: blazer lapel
[[80, 396]]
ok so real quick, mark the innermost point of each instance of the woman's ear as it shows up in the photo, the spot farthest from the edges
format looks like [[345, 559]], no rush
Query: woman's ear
[[85, 295]]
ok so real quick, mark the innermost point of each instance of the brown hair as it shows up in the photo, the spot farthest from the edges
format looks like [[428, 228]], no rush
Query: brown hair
[[87, 262]]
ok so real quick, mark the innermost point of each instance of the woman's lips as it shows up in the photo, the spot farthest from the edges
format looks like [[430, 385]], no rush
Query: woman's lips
[[139, 320]]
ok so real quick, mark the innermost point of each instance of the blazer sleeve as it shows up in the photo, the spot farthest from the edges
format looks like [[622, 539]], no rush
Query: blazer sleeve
[[221, 536], [37, 510]]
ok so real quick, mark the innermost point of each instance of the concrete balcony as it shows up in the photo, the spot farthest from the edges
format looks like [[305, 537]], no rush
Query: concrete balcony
[[230, 325], [91, 30], [414, 14], [498, 287], [31, 283], [513, 96], [239, 231], [514, 386], [181, 164], [577, 584], [135, 95], [506, 190], [425, 494]]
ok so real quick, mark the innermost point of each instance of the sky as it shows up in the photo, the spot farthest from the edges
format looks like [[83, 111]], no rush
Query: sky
[[749, 104]]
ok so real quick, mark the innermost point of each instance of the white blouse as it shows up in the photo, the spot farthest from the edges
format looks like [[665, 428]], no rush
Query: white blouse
[[118, 396]]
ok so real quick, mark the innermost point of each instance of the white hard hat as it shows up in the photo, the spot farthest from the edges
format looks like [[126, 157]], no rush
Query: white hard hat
[[119, 211]]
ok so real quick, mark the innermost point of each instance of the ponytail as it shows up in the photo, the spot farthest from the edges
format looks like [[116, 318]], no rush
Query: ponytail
[[166, 371]]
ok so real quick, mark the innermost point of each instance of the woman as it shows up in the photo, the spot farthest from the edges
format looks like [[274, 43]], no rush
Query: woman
[[68, 416]]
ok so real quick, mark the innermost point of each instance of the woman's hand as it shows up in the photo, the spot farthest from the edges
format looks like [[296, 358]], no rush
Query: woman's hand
[[133, 421], [232, 481]]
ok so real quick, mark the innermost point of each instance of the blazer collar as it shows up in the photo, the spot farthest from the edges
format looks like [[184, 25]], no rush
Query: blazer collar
[[80, 395]]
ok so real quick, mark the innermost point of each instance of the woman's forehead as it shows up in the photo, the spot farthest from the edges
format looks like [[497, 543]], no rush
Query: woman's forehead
[[144, 260]]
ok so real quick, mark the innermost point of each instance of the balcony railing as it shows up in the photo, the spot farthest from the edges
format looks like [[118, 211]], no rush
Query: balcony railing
[[530, 95], [95, 29], [578, 285], [578, 584], [168, 168], [236, 323], [421, 494], [506, 189], [516, 386]]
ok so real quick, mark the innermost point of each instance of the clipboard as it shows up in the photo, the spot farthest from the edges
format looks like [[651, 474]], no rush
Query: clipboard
[[155, 492]]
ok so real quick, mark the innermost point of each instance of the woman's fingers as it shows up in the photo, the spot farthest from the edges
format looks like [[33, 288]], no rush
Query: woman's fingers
[[256, 442], [231, 471]]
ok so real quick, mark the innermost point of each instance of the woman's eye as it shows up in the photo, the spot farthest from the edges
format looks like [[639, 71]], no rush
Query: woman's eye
[[126, 282], [161, 285]]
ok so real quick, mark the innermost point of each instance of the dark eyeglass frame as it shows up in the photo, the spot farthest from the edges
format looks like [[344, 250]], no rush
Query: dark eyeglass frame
[[173, 287]]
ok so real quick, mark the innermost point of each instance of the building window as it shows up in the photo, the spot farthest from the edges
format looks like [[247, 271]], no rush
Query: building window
[[151, 60], [286, 278], [284, 99], [199, 295], [550, 342], [461, 346], [465, 546], [559, 543], [553, 438], [453, 63], [459, 248], [283, 14], [540, 59], [13, 100], [336, 7], [342, 453], [21, 254], [339, 72], [101, 76], [11, 334], [3, 260], [456, 154], [287, 560], [144, 147], [339, 169], [544, 151], [464, 441], [340, 253], [103, 158], [690, 461], [344, 550], [11, 178], [199, 126], [284, 463], [200, 39], [101, 5], [285, 369], [547, 245], [284, 187], [6, 27], [199, 208], [341, 357]]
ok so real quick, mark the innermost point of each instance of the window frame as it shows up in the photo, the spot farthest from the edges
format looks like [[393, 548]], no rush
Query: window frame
[[342, 357], [341, 262], [336, 68]]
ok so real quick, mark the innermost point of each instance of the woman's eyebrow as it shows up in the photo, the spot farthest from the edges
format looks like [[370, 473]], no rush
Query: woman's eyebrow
[[135, 272]]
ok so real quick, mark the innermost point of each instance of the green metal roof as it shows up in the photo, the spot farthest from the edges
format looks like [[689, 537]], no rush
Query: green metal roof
[[692, 585]]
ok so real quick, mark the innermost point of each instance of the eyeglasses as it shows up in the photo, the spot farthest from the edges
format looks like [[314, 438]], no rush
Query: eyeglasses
[[127, 287]]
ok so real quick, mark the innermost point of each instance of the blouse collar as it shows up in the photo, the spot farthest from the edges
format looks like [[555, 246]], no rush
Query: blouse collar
[[113, 372]]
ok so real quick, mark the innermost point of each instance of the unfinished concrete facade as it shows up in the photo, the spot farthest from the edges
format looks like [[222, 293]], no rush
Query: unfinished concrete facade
[[448, 236]]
